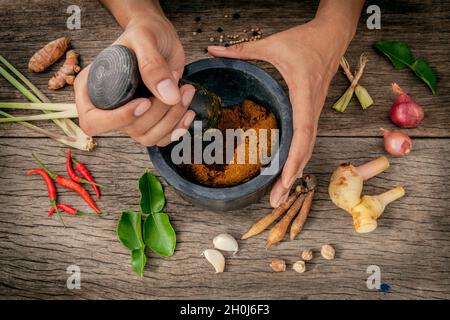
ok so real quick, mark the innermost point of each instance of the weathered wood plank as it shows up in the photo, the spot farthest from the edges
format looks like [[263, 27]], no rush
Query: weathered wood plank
[[25, 27], [411, 244]]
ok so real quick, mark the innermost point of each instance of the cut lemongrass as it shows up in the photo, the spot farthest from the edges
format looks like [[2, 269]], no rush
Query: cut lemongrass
[[58, 137], [344, 100], [45, 116], [38, 106], [82, 141]]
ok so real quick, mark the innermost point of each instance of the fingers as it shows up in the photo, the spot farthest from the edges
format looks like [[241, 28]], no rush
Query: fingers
[[303, 139], [155, 72], [180, 129], [279, 194], [177, 116], [94, 121], [255, 50]]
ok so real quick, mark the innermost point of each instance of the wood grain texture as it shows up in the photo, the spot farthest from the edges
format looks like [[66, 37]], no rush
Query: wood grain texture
[[411, 244], [424, 25]]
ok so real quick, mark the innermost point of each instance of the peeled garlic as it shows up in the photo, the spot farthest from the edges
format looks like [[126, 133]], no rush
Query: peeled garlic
[[225, 242], [216, 258]]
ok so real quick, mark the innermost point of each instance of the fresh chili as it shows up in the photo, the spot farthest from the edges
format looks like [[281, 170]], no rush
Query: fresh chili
[[81, 168], [69, 184], [66, 208], [50, 188]]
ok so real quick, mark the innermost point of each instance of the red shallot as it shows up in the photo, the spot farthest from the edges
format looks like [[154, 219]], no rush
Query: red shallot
[[396, 143], [405, 112]]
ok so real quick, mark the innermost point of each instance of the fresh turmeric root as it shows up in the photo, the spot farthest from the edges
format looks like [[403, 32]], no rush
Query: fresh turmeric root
[[48, 55], [66, 74]]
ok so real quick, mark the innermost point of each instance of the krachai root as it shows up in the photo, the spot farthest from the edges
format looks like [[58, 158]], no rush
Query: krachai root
[[48, 55], [345, 190], [66, 74]]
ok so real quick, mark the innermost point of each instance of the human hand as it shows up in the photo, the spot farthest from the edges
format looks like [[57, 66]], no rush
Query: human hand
[[160, 56], [307, 56]]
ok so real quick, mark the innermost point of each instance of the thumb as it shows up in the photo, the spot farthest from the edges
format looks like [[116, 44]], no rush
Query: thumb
[[303, 138], [255, 50]]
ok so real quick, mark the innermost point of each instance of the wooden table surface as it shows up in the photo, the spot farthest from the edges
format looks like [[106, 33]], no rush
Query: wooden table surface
[[411, 244]]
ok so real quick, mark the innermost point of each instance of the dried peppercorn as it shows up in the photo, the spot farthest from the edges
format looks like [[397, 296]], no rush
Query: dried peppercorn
[[236, 16], [219, 29], [197, 19]]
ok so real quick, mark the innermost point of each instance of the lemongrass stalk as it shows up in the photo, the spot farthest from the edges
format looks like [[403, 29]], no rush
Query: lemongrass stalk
[[344, 100], [364, 98], [58, 137], [45, 116], [84, 142], [38, 106]]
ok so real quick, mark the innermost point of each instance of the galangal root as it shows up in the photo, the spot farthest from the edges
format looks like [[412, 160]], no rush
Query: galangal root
[[66, 74], [345, 190], [298, 204], [48, 55]]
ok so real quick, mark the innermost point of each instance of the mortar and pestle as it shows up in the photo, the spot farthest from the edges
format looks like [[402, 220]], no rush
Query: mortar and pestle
[[114, 80]]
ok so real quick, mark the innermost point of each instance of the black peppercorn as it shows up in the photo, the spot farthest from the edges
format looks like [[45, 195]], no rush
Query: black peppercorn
[[219, 29], [236, 16], [199, 30], [255, 33], [197, 19]]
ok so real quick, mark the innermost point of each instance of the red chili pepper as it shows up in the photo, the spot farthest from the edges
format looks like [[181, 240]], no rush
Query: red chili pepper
[[50, 188], [70, 185], [81, 168], [69, 168], [66, 208]]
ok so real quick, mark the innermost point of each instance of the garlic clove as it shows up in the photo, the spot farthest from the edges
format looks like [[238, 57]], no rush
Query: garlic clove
[[216, 259], [226, 242]]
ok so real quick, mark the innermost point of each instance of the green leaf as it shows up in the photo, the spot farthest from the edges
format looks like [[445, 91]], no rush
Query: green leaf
[[401, 57], [424, 72], [138, 261], [152, 194], [398, 52], [129, 230], [159, 234]]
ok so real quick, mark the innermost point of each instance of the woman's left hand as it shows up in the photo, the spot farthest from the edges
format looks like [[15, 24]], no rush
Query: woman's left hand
[[307, 56]]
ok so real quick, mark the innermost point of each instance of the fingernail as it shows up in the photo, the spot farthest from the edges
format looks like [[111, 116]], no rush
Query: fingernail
[[187, 97], [176, 76], [142, 108], [282, 199], [189, 118], [217, 48], [177, 134], [169, 91]]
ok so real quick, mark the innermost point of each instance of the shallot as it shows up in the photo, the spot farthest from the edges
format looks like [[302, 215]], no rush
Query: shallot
[[396, 143], [405, 112]]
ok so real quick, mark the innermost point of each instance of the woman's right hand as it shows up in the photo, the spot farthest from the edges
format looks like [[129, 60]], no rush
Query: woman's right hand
[[160, 56]]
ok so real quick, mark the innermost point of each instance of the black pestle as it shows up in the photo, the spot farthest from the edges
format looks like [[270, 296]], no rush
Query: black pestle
[[114, 80]]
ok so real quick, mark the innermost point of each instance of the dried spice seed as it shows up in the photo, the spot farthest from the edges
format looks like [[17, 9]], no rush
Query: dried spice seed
[[227, 44], [197, 19], [211, 39], [219, 29], [205, 50], [255, 33], [236, 16], [194, 33], [199, 30]]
